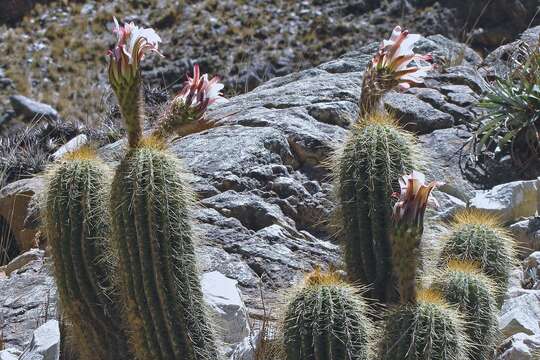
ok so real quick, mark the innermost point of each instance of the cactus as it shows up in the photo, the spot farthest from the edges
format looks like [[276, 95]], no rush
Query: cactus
[[478, 237], [427, 330], [326, 320], [77, 231], [464, 285], [152, 237], [375, 154]]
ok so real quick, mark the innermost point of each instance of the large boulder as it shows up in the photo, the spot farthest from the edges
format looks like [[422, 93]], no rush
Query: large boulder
[[32, 110], [15, 201], [510, 201], [45, 343]]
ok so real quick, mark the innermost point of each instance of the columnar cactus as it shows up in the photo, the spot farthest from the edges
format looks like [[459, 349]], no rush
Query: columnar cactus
[[152, 236], [429, 329], [159, 283], [326, 320], [463, 284], [376, 153], [423, 326], [478, 237], [77, 230]]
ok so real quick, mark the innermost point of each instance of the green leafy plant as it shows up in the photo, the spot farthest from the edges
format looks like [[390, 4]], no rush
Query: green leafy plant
[[512, 123]]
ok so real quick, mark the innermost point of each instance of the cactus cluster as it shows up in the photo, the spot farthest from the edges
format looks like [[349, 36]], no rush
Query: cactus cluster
[[454, 317], [129, 286]]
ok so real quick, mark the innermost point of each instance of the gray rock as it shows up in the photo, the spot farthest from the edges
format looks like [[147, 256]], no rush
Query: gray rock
[[14, 209], [27, 299], [74, 144], [45, 343], [520, 312], [221, 294], [442, 150], [510, 201], [32, 110], [531, 271], [415, 114], [23, 259], [527, 234], [9, 354], [520, 347]]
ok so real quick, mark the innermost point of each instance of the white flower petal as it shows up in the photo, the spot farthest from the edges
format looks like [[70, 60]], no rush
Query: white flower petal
[[395, 33], [406, 47], [214, 90]]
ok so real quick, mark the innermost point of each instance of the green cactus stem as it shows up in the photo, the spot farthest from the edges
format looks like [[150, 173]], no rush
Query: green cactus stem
[[366, 173], [158, 279], [478, 237], [77, 230], [463, 284], [326, 320], [427, 330]]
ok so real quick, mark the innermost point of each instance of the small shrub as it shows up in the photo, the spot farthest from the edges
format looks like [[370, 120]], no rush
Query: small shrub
[[512, 123]]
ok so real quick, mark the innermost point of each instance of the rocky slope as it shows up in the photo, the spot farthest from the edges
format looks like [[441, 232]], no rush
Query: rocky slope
[[265, 193]]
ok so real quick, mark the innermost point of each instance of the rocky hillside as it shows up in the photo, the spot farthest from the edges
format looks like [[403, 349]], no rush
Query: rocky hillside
[[247, 42], [265, 197]]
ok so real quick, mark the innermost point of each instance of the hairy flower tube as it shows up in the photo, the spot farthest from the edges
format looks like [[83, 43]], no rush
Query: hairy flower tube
[[413, 199], [408, 216], [390, 68], [132, 45], [186, 113]]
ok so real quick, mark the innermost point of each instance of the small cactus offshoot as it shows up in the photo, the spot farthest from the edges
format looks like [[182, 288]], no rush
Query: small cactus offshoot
[[463, 284], [326, 320], [389, 69], [186, 114], [478, 237]]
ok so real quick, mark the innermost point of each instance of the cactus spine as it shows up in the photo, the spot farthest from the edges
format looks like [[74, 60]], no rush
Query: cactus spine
[[428, 330], [326, 320], [375, 154], [77, 231], [478, 237], [158, 278], [464, 285]]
